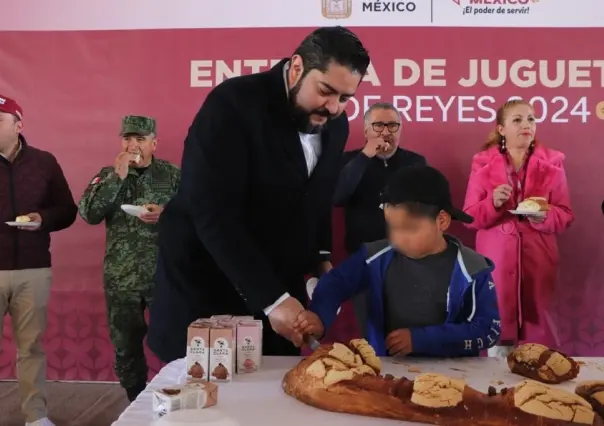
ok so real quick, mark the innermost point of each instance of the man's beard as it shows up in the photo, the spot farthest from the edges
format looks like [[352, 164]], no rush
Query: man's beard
[[301, 116]]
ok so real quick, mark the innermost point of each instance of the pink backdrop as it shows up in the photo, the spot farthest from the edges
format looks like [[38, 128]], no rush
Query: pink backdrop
[[75, 86]]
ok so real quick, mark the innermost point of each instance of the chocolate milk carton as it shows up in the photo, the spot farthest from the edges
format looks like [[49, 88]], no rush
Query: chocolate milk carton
[[198, 350], [221, 317], [249, 346], [222, 352]]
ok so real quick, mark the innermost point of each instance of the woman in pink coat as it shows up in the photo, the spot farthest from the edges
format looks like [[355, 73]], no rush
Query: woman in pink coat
[[513, 166]]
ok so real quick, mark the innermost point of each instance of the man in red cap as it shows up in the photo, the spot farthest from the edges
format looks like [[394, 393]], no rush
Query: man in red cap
[[35, 200]]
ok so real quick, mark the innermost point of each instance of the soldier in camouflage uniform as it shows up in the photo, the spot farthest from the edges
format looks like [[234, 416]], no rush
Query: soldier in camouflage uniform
[[140, 179]]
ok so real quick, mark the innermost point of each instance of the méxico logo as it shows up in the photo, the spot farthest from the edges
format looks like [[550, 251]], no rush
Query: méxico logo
[[495, 7], [342, 9]]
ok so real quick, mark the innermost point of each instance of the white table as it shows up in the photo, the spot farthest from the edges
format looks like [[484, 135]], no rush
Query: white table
[[258, 400]]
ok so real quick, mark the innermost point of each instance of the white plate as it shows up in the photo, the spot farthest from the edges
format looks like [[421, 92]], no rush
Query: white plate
[[527, 212], [133, 210], [205, 417], [24, 224]]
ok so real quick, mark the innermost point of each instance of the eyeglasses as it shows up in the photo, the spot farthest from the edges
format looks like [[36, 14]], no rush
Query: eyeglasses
[[378, 126]]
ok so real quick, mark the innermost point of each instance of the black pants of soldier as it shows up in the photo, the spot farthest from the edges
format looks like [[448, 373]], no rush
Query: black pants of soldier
[[127, 330]]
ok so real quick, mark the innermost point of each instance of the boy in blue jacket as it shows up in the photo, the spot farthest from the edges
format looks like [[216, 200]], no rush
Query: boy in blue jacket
[[421, 292]]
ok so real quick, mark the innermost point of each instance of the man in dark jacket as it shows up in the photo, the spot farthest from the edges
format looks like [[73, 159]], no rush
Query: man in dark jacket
[[252, 215], [35, 200], [366, 172]]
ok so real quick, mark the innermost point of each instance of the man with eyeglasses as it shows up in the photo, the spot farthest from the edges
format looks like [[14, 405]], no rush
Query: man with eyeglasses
[[366, 172]]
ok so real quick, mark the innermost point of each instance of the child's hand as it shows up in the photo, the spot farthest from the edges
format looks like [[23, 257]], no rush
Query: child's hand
[[309, 323], [398, 342]]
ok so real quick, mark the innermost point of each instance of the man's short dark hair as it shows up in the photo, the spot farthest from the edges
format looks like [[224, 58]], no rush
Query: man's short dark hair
[[333, 44]]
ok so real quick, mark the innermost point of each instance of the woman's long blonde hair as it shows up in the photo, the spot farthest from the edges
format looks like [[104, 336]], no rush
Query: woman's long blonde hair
[[495, 138]]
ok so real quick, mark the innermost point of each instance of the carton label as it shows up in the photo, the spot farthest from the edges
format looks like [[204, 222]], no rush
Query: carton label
[[221, 354], [249, 346], [198, 356]]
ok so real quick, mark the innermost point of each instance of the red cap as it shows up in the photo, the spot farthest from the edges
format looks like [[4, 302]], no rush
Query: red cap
[[11, 107]]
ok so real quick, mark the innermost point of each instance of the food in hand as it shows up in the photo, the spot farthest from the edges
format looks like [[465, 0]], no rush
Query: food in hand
[[534, 204], [543, 364], [23, 219], [135, 158], [347, 379], [593, 392]]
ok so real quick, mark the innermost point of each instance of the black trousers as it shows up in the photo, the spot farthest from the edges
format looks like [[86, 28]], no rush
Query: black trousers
[[173, 311]]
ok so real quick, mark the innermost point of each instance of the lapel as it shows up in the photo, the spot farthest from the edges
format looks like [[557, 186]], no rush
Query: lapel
[[540, 175], [494, 173], [326, 157], [332, 144], [292, 145], [287, 136]]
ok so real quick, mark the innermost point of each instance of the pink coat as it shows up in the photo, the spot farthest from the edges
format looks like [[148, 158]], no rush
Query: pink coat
[[525, 253]]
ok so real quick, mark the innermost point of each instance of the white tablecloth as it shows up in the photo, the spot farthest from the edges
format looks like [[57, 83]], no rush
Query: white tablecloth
[[257, 399]]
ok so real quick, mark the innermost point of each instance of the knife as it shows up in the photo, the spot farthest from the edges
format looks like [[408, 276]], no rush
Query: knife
[[311, 342]]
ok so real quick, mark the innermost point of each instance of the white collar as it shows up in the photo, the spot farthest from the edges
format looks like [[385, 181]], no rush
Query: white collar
[[285, 69]]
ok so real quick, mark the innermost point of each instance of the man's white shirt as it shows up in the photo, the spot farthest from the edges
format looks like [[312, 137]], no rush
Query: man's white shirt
[[311, 146]]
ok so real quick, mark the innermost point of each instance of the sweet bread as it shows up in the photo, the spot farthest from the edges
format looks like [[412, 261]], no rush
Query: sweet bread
[[23, 219], [543, 364], [534, 204], [593, 393], [347, 379]]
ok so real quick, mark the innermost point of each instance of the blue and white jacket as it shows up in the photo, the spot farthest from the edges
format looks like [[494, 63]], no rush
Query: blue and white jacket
[[472, 322]]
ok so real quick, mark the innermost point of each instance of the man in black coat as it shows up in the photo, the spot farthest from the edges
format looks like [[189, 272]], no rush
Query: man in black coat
[[252, 215], [366, 172]]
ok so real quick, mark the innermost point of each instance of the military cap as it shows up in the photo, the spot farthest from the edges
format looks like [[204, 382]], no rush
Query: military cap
[[138, 125]]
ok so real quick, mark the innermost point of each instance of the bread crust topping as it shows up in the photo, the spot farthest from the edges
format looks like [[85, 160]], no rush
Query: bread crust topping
[[347, 379]]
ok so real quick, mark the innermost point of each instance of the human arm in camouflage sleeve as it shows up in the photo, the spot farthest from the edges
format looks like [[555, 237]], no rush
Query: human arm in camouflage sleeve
[[99, 196], [155, 210], [175, 179]]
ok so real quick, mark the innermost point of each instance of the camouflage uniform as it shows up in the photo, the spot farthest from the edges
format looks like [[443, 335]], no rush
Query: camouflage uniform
[[131, 250]]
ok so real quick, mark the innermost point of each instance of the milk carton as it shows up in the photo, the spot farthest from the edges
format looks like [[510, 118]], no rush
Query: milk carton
[[249, 346], [222, 352], [198, 350]]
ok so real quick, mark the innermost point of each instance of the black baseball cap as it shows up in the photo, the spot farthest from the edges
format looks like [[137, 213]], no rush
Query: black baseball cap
[[424, 185]]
